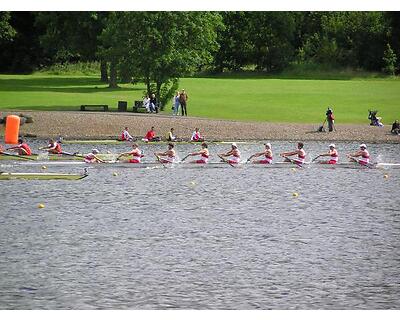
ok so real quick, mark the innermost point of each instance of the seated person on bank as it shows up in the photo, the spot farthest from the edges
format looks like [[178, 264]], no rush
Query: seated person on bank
[[196, 136], [395, 128], [151, 136], [125, 136]]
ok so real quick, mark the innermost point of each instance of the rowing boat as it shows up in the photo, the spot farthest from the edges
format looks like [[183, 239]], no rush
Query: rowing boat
[[53, 157], [275, 165], [40, 176]]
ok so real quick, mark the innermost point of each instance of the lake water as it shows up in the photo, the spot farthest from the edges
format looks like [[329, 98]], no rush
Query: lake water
[[203, 238]]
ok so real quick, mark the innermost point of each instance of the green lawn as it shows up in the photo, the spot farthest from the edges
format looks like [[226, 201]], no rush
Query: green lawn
[[240, 98]]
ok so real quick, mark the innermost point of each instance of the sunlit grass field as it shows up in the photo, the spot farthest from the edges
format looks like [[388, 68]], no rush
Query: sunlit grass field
[[232, 97]]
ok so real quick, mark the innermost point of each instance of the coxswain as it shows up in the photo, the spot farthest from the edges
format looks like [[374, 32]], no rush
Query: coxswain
[[125, 136], [203, 153], [170, 154], [22, 148], [332, 153], [267, 153], [363, 153], [196, 136], [53, 147], [136, 154], [233, 154], [93, 158], [301, 155]]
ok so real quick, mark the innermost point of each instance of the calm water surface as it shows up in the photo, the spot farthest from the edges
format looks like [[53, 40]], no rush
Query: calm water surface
[[203, 238]]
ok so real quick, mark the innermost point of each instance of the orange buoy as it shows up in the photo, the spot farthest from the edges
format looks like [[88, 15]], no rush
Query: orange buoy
[[12, 130]]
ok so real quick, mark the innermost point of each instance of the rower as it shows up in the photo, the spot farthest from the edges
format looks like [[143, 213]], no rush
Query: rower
[[125, 136], [267, 153], [136, 154], [22, 148], [93, 158], [196, 136], [53, 147], [363, 153], [234, 155], [170, 154], [331, 153], [203, 153], [301, 154]]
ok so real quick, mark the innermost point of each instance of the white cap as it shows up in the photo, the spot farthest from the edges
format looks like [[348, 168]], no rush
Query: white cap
[[363, 146], [234, 144], [267, 145], [95, 151], [332, 145]]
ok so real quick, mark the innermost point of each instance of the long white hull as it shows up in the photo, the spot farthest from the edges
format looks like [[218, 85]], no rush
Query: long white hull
[[215, 165], [40, 176]]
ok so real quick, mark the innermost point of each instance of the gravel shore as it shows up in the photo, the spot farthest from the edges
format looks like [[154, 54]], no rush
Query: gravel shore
[[100, 125]]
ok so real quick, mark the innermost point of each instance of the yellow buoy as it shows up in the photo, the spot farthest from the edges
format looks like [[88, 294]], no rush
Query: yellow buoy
[[40, 205], [115, 174], [293, 169], [295, 194], [386, 176], [193, 183], [44, 167]]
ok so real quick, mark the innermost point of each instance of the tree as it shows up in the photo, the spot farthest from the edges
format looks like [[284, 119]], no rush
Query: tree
[[72, 37], [157, 47], [390, 59], [7, 32]]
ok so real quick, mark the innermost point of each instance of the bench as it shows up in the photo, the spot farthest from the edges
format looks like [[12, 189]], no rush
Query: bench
[[138, 106], [85, 107]]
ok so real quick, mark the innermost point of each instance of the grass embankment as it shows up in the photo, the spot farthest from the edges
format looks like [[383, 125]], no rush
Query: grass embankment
[[244, 97]]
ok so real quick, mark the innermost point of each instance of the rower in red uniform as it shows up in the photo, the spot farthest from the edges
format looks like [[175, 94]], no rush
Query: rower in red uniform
[[267, 153], [332, 153], [92, 157], [301, 155], [170, 154], [363, 153], [53, 147], [22, 148], [125, 136], [203, 153], [234, 155], [136, 154]]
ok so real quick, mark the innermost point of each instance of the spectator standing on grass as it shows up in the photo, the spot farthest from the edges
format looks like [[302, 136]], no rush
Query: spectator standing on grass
[[175, 104], [330, 119], [183, 98]]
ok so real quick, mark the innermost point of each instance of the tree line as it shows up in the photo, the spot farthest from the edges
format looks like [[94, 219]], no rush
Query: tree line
[[158, 48]]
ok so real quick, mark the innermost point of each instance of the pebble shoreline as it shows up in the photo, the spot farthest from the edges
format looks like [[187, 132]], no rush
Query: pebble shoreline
[[73, 125]]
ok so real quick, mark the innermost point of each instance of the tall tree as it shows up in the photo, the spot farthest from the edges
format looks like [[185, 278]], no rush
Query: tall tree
[[158, 47], [7, 32]]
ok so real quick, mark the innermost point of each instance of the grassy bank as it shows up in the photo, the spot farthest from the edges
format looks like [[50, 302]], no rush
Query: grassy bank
[[229, 97]]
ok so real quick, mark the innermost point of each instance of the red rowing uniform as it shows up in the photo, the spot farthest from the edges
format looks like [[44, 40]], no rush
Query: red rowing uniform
[[364, 158], [334, 157], [26, 151], [136, 156]]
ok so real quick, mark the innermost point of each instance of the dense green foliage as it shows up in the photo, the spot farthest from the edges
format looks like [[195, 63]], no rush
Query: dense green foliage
[[240, 98]]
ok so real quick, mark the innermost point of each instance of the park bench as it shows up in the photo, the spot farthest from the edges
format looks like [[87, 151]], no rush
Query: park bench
[[87, 107], [138, 106]]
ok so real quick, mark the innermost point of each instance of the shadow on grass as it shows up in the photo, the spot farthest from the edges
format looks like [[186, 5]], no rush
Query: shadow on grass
[[60, 84], [111, 108]]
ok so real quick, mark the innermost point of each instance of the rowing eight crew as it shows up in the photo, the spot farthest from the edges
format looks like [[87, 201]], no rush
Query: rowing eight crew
[[232, 156]]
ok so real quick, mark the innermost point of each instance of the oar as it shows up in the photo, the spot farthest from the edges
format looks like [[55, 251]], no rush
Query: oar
[[184, 158], [159, 160], [315, 158], [16, 156], [75, 154], [224, 160]]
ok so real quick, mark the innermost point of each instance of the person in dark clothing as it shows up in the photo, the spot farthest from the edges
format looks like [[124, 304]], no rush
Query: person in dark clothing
[[153, 103], [183, 97], [395, 127], [330, 119]]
